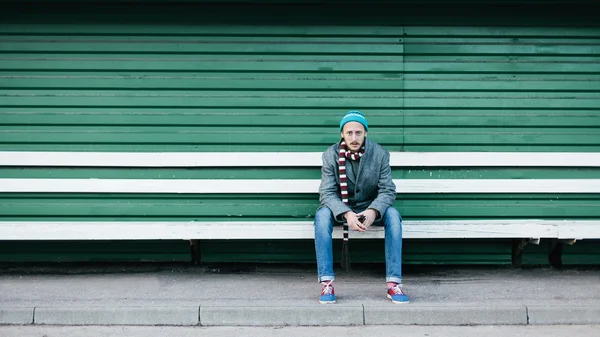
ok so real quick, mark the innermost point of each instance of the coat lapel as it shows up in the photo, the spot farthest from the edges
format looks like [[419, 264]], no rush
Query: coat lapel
[[350, 174], [362, 162]]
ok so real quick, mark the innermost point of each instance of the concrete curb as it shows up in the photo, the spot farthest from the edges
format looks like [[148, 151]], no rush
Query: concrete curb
[[281, 315], [445, 315], [545, 315], [180, 315], [307, 315], [16, 315]]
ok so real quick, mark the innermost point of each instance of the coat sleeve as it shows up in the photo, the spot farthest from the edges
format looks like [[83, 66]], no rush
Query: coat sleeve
[[328, 190], [386, 189]]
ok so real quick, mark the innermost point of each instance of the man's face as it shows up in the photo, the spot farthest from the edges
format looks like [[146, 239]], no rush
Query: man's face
[[354, 135]]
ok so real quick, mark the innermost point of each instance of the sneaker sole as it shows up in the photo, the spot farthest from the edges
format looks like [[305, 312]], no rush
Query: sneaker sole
[[396, 302], [327, 302]]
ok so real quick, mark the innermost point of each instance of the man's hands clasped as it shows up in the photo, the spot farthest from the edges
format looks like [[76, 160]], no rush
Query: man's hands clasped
[[360, 221]]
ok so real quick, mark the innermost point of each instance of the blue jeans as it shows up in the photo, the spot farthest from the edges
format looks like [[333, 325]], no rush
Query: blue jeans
[[391, 220]]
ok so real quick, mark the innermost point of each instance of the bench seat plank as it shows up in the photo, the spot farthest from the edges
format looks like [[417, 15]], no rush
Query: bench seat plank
[[579, 230], [418, 229]]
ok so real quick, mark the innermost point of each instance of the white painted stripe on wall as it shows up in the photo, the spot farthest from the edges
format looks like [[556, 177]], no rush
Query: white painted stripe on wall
[[451, 229], [293, 185], [495, 159], [294, 159]]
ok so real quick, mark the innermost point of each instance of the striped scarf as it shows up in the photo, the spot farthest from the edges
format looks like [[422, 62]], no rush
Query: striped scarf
[[345, 153]]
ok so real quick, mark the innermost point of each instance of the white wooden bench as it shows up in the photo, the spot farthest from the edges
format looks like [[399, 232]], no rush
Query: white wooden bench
[[527, 230]]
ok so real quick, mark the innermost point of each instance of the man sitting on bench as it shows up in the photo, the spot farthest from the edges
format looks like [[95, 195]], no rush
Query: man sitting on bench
[[357, 189]]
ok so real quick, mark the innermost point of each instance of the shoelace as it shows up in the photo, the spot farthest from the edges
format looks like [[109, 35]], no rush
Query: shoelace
[[397, 290], [327, 288]]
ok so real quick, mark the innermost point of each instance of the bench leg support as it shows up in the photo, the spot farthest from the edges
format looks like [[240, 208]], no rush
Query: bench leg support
[[555, 254], [517, 252], [569, 242], [345, 262], [195, 251]]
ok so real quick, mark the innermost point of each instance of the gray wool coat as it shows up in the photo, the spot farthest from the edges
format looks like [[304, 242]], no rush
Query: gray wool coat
[[373, 184]]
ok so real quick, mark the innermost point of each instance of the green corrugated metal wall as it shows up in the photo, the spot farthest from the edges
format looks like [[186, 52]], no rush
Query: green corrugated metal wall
[[169, 79]]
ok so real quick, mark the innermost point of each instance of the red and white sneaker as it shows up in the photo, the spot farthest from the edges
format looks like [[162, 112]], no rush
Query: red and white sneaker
[[396, 294], [327, 293]]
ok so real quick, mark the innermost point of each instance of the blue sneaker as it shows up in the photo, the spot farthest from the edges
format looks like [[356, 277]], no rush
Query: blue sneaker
[[396, 294], [327, 293]]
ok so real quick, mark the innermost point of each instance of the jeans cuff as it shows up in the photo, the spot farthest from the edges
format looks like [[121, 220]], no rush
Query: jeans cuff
[[393, 279], [326, 278]]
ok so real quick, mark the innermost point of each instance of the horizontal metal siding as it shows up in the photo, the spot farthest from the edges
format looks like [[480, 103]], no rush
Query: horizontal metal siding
[[501, 89], [111, 87], [236, 93]]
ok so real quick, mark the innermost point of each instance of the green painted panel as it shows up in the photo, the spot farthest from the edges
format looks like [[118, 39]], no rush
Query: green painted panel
[[201, 98], [166, 173], [501, 82], [213, 80], [496, 135], [304, 81], [202, 44], [295, 147], [467, 100], [497, 47], [491, 148], [501, 64], [296, 251], [536, 255], [584, 252], [252, 207], [512, 32], [95, 251], [564, 117], [201, 117], [292, 173], [361, 251], [413, 38], [313, 63], [378, 118], [178, 135], [109, 98], [179, 29], [201, 63], [293, 135], [9, 28]]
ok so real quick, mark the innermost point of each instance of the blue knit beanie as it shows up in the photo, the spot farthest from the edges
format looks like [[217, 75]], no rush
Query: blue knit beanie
[[354, 116]]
